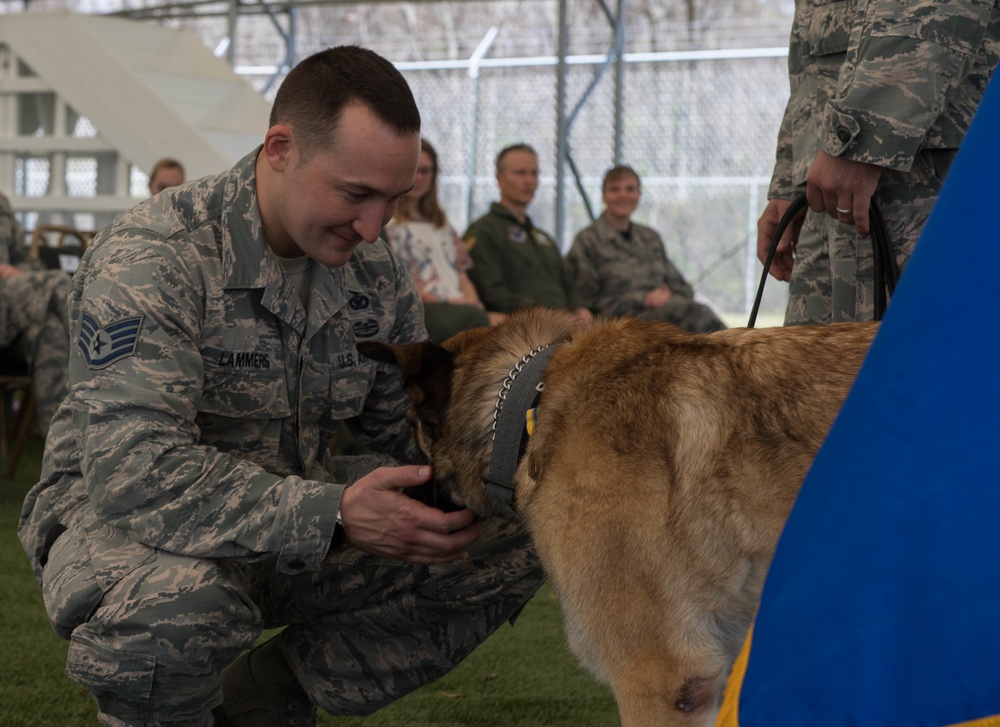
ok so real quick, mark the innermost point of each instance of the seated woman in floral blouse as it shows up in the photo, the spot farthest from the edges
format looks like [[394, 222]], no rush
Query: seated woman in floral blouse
[[420, 235]]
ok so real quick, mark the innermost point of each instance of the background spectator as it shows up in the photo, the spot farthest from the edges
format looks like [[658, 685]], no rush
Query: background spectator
[[881, 98], [516, 265], [428, 246], [33, 323], [622, 268], [166, 173]]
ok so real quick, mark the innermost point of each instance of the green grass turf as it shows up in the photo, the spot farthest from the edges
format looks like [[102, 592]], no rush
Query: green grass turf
[[520, 677]]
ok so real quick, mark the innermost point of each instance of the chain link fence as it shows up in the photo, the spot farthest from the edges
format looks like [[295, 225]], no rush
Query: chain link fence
[[701, 134], [699, 120], [701, 103]]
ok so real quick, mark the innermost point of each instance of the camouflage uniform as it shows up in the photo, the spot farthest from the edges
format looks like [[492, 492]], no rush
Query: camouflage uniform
[[887, 83], [614, 274], [516, 265], [33, 317], [187, 499]]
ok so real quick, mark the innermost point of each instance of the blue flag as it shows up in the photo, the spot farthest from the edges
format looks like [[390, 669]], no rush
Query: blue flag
[[882, 606]]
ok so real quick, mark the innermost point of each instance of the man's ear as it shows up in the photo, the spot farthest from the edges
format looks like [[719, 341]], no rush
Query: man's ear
[[278, 145], [425, 368]]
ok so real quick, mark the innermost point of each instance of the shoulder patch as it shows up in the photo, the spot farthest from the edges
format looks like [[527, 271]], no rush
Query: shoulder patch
[[101, 345], [469, 241], [542, 238]]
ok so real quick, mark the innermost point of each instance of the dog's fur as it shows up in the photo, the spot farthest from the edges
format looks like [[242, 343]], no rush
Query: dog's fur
[[656, 484]]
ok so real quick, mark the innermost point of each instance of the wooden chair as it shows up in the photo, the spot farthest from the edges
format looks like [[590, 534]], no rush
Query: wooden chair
[[53, 243], [14, 377]]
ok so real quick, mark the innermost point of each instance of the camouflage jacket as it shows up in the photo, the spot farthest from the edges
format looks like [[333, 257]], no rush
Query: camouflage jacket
[[614, 274], [203, 398], [516, 265], [879, 81], [13, 251]]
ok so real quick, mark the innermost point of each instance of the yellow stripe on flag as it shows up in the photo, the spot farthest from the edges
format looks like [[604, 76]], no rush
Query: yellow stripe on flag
[[730, 711]]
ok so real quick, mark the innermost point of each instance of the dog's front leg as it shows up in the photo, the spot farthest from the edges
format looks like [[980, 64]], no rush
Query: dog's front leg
[[646, 699]]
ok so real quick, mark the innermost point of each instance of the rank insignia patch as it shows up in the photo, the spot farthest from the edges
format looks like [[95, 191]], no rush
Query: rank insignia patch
[[101, 346]]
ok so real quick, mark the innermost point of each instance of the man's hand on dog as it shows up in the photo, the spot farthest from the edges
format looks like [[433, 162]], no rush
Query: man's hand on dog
[[381, 520]]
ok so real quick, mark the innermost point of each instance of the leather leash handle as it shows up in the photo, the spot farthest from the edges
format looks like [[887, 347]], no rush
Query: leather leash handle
[[886, 269], [794, 208]]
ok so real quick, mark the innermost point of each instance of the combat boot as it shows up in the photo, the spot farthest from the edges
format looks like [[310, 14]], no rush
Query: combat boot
[[260, 690]]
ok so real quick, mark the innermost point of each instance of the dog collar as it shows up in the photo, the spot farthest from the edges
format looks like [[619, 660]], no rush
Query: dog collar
[[518, 394]]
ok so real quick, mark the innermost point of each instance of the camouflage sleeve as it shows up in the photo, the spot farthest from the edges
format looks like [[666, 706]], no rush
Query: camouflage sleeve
[[782, 182], [134, 414], [13, 241], [382, 424], [903, 63], [820, 36]]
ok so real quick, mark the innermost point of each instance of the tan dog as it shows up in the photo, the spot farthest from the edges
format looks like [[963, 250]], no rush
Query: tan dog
[[657, 480]]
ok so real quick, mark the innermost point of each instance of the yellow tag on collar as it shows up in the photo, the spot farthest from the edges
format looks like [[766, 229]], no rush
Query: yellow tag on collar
[[529, 421]]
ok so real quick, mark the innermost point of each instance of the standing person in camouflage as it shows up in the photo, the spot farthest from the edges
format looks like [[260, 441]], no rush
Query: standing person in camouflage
[[882, 94], [622, 269], [33, 325], [188, 498], [516, 265]]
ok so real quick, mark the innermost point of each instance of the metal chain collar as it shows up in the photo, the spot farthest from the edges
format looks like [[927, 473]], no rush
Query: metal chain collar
[[509, 382]]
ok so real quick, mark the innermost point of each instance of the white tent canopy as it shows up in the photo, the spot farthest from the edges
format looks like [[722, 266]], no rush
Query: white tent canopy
[[147, 92]]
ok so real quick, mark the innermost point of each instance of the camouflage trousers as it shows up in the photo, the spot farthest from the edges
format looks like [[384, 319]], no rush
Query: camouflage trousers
[[833, 276], [360, 633], [686, 313], [33, 321]]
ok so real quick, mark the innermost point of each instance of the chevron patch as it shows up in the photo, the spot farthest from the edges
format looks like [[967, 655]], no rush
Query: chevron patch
[[101, 346]]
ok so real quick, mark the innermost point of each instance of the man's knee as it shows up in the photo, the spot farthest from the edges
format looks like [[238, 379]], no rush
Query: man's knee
[[159, 641]]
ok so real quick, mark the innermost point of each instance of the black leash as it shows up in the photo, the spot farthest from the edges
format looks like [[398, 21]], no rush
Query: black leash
[[885, 267]]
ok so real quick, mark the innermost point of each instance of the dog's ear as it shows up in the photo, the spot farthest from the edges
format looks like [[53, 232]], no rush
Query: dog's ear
[[425, 368]]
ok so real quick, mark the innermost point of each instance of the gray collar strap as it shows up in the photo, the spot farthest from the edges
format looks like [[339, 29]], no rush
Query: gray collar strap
[[518, 393]]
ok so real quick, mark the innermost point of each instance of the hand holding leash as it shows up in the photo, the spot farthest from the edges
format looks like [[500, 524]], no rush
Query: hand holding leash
[[886, 268], [783, 257]]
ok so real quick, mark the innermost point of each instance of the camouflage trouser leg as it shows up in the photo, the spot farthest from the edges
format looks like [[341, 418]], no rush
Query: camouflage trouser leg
[[366, 631], [36, 315], [153, 651], [362, 632], [688, 314], [833, 276]]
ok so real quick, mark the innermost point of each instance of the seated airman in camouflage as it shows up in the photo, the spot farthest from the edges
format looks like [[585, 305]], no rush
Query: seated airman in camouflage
[[33, 326], [622, 269], [188, 499]]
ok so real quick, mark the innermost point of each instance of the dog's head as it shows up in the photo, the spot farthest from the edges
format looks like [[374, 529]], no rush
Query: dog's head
[[453, 388]]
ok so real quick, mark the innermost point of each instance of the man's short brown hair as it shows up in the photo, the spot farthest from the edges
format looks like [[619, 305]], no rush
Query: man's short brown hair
[[512, 148], [316, 91]]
